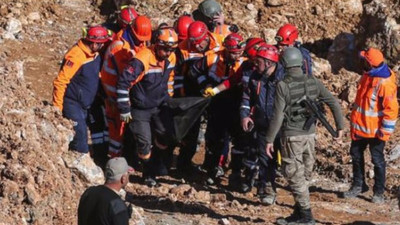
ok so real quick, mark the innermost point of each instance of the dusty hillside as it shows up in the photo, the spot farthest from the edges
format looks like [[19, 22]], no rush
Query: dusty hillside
[[37, 182]]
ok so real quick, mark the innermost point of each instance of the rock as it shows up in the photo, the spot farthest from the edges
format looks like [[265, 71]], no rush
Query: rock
[[32, 195], [137, 216], [251, 22], [276, 2], [164, 189], [318, 10], [218, 197], [84, 166], [320, 65], [250, 6], [180, 189], [3, 11], [203, 196], [269, 36], [191, 192], [351, 7], [13, 27], [371, 173], [224, 221], [236, 204], [349, 94], [10, 190], [34, 16], [394, 153]]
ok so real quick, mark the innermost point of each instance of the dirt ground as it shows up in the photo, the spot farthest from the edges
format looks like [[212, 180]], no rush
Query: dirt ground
[[332, 30]]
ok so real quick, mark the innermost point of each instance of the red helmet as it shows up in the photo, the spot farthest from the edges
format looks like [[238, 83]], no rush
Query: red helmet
[[182, 25], [252, 44], [141, 28], [126, 16], [234, 42], [269, 52], [167, 37], [97, 34], [287, 34], [197, 32]]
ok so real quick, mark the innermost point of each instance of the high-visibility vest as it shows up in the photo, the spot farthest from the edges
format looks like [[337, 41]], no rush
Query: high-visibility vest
[[375, 109], [116, 58]]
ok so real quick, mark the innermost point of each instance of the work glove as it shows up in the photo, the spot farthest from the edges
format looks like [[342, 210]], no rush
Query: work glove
[[126, 117], [209, 92]]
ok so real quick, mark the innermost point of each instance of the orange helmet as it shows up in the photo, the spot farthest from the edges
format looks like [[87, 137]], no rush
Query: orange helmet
[[287, 34], [234, 43], [197, 32], [166, 36], [252, 44], [182, 25], [126, 16], [97, 34], [141, 28]]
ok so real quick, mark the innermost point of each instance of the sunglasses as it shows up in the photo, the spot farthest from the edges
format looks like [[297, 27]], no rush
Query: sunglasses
[[167, 49]]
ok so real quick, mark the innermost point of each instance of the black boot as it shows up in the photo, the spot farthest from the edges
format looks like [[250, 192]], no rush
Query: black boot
[[293, 217], [306, 218]]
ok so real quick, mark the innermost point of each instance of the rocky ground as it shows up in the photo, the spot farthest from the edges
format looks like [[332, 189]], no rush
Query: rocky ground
[[40, 181]]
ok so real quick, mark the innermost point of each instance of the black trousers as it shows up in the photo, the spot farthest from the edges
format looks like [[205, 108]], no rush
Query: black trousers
[[376, 147]]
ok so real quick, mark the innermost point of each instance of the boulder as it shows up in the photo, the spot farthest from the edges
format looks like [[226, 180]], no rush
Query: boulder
[[84, 167], [13, 27]]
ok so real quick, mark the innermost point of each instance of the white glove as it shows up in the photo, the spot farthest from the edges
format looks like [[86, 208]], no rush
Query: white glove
[[126, 117]]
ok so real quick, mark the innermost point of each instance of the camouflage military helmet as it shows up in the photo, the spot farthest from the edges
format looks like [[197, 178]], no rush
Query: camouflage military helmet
[[210, 8], [291, 57]]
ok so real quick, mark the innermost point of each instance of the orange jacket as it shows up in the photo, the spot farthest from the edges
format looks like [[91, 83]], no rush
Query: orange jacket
[[376, 108], [222, 30], [116, 59], [186, 56], [213, 69], [78, 56], [189, 53]]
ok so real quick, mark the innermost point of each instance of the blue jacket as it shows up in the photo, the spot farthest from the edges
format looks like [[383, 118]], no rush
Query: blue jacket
[[259, 96], [145, 83]]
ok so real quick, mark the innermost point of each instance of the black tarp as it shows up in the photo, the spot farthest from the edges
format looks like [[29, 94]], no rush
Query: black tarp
[[184, 112]]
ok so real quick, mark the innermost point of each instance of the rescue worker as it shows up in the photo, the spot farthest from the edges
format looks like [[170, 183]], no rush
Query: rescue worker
[[256, 111], [297, 143], [77, 82], [251, 47], [210, 12], [117, 57], [143, 87], [211, 71], [125, 19], [287, 37], [200, 42], [126, 16], [181, 27], [372, 121]]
